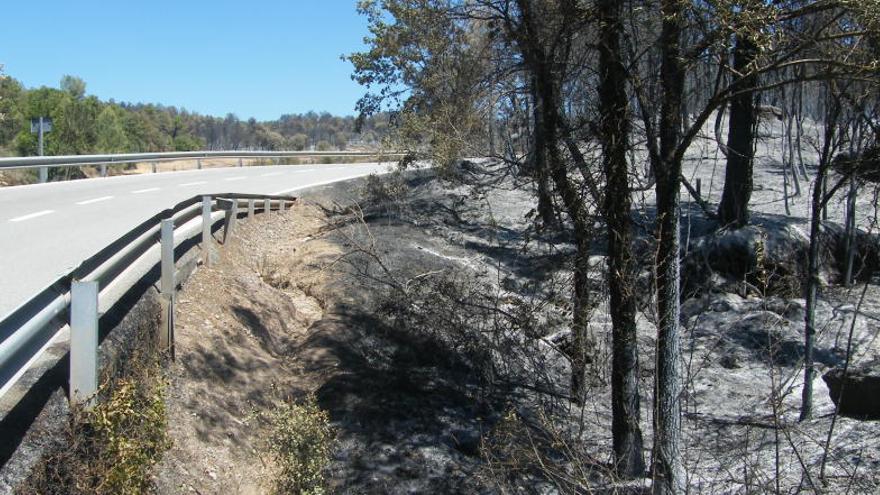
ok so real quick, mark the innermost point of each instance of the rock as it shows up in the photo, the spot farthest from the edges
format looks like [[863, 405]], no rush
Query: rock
[[769, 258], [729, 361], [467, 441], [856, 395], [770, 112]]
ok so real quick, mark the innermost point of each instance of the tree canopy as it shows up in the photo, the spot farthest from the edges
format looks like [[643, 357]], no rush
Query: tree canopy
[[85, 124]]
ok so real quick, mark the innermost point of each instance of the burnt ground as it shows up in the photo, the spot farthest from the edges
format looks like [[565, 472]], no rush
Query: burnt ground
[[430, 320]]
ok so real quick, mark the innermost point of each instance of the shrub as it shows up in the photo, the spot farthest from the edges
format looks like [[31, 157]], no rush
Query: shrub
[[112, 448], [384, 191], [300, 443]]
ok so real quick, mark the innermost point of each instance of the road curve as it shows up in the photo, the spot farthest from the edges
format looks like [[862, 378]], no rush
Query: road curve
[[48, 228]]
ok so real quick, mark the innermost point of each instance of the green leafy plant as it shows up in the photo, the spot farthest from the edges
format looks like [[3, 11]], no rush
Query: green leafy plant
[[300, 443], [111, 448]]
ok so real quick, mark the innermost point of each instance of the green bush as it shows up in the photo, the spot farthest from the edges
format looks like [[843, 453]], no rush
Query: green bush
[[130, 431], [112, 448], [300, 443]]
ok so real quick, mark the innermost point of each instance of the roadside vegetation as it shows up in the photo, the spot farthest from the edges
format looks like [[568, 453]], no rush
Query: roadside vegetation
[[84, 124], [300, 444], [112, 447]]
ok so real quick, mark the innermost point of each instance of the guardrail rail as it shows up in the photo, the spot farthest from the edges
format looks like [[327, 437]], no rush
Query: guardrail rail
[[45, 162], [76, 300]]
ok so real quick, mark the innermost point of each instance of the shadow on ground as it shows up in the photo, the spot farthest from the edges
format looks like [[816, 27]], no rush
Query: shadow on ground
[[405, 409]]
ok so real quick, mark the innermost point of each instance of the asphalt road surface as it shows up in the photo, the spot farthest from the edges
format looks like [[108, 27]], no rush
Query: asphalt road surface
[[47, 228]]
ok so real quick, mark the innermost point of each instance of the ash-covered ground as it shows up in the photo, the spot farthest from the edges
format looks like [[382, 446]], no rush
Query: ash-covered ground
[[440, 350]]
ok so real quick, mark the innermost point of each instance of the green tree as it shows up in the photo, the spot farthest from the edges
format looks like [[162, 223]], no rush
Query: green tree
[[341, 140], [299, 142], [74, 86], [75, 126], [186, 142], [11, 118], [111, 136], [41, 102]]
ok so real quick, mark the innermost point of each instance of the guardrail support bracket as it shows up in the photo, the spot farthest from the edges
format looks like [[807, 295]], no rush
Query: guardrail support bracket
[[208, 252], [231, 208], [250, 209], [166, 324], [83, 342], [167, 287]]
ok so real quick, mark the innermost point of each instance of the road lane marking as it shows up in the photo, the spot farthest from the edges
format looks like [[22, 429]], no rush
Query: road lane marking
[[322, 183], [235, 178], [32, 215], [141, 191], [194, 183], [271, 174], [96, 200]]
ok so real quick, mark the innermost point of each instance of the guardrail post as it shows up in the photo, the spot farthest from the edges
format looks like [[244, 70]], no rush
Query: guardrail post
[[207, 238], [155, 167], [103, 170], [44, 174], [83, 342], [199, 163], [281, 205], [250, 209], [267, 206], [231, 208], [167, 286], [240, 163]]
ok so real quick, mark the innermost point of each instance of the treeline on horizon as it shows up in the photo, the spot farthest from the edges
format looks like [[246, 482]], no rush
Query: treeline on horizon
[[84, 124]]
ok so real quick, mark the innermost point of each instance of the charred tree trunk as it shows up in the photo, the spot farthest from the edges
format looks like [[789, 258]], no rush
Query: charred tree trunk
[[811, 287], [667, 469], [541, 142], [548, 91], [614, 135], [547, 75], [734, 207]]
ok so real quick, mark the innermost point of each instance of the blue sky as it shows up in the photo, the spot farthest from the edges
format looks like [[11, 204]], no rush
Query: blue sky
[[259, 58]]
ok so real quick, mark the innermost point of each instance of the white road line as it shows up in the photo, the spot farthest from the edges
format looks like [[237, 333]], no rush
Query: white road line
[[96, 200], [141, 191], [193, 183], [235, 178], [322, 183], [32, 215], [271, 174]]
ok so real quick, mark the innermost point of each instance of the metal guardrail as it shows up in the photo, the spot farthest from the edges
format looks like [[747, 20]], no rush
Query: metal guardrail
[[34, 324], [43, 163], [79, 160]]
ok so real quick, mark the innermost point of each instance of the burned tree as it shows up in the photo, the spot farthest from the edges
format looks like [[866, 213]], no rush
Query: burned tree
[[614, 136]]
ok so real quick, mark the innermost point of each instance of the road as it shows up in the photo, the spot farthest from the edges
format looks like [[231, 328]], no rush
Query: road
[[46, 229]]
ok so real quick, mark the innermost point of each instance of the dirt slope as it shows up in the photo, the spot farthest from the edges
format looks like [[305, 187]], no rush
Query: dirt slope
[[236, 327]]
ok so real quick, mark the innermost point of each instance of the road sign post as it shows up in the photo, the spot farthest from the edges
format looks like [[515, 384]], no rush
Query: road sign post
[[40, 126]]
